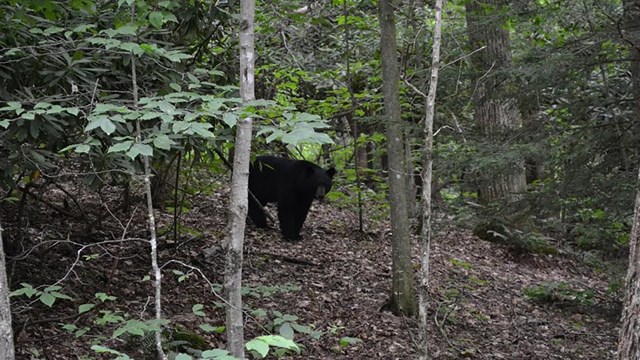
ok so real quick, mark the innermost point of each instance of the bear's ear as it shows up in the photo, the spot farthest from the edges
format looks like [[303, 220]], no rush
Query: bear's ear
[[331, 172]]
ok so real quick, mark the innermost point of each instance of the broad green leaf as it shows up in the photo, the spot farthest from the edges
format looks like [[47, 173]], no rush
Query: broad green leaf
[[217, 354], [175, 87], [163, 142], [12, 106], [72, 110], [286, 331], [150, 115], [140, 149], [258, 346], [53, 30], [4, 123], [202, 130], [132, 47], [120, 147], [346, 341], [104, 297], [230, 119], [85, 307], [29, 115], [197, 310], [82, 149], [176, 56], [102, 122], [180, 126], [156, 19], [279, 341], [183, 357], [47, 299], [58, 295]]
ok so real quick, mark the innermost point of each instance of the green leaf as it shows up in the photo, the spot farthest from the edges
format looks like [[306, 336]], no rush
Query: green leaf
[[72, 110], [183, 357], [176, 56], [140, 149], [58, 295], [4, 123], [286, 331], [85, 307], [30, 115], [197, 310], [132, 47], [217, 354], [120, 147], [346, 341], [180, 126], [163, 142], [47, 299], [230, 119], [258, 346], [156, 19], [82, 149], [12, 106], [102, 122]]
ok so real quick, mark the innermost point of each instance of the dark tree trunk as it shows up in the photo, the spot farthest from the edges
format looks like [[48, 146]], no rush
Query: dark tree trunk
[[629, 340], [403, 293], [495, 113]]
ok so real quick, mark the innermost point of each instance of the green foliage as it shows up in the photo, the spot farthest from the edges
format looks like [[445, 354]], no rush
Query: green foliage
[[558, 293], [518, 240], [261, 345], [47, 296]]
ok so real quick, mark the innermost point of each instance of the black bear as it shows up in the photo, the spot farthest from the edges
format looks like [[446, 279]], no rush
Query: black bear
[[293, 184]]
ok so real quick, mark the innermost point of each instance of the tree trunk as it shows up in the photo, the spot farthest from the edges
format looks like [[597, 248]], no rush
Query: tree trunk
[[495, 113], [239, 187], [629, 340], [403, 297], [427, 175], [6, 332]]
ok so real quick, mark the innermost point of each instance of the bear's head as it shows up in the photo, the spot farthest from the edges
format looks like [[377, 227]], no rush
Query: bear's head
[[323, 180]]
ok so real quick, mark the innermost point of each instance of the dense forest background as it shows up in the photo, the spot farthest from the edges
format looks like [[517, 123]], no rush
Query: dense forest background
[[535, 150]]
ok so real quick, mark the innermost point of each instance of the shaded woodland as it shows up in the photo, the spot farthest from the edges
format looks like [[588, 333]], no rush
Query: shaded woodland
[[123, 179]]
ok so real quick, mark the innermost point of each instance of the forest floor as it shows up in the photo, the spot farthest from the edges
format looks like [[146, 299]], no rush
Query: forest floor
[[335, 280]]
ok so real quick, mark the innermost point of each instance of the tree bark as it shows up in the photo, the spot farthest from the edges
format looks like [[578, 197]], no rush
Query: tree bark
[[239, 187], [403, 297], [427, 175], [629, 337], [6, 332], [495, 113]]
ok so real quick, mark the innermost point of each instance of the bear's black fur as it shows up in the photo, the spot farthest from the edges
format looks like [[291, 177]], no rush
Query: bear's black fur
[[293, 184]]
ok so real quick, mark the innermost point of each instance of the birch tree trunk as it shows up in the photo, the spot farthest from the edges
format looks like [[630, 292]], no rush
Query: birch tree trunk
[[629, 338], [494, 114], [238, 203], [153, 239], [427, 166], [403, 296], [6, 332]]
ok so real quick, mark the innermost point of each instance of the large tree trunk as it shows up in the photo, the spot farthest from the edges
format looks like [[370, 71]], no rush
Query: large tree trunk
[[6, 332], [629, 341], [238, 204], [403, 296], [495, 113]]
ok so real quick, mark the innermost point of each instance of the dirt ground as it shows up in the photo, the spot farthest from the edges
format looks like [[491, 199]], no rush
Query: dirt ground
[[335, 280]]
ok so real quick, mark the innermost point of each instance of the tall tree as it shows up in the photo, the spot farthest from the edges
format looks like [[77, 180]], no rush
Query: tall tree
[[6, 333], [495, 113], [629, 340], [239, 187], [403, 296], [427, 175]]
